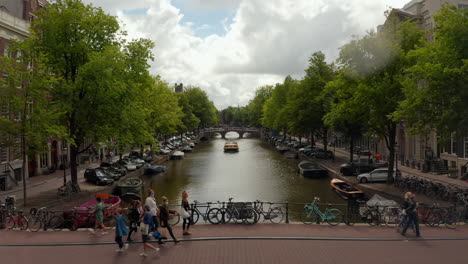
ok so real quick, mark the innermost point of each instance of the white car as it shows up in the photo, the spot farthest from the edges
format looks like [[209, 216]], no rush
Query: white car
[[128, 165], [375, 175]]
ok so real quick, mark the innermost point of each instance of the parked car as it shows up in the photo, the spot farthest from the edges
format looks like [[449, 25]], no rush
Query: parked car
[[115, 167], [127, 164], [321, 154], [358, 167], [97, 176], [377, 175], [111, 172]]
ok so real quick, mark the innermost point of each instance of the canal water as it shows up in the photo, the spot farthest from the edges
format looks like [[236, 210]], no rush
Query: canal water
[[257, 171]]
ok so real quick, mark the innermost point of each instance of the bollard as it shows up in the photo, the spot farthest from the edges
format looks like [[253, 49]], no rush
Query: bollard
[[287, 212]]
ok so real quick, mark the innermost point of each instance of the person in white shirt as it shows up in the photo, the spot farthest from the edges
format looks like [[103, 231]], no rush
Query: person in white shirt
[[153, 206]]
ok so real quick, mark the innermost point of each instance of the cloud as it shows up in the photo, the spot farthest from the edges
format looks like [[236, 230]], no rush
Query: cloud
[[264, 42]]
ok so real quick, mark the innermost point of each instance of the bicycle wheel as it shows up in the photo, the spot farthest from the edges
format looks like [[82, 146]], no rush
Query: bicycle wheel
[[35, 224], [56, 222], [335, 216], [391, 218], [194, 217], [450, 220], [308, 217], [22, 222], [71, 222], [251, 217], [213, 216], [10, 222], [432, 219], [174, 218], [275, 215], [371, 217]]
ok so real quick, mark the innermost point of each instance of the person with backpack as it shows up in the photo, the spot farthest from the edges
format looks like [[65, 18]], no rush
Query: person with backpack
[[134, 216], [145, 228]]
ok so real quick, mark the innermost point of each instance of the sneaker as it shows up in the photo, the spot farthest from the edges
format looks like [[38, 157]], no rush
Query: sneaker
[[104, 233], [143, 254], [156, 251], [119, 250], [163, 237], [126, 246], [186, 233]]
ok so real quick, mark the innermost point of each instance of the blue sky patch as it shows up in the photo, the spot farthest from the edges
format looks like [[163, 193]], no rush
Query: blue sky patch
[[138, 11], [206, 21]]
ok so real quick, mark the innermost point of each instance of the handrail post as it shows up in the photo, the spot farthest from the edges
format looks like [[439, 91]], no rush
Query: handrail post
[[287, 212]]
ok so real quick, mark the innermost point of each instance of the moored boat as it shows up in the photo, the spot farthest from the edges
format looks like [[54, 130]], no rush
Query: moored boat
[[312, 170], [177, 155], [291, 154], [84, 215], [186, 149], [154, 169], [130, 185], [345, 189], [231, 146]]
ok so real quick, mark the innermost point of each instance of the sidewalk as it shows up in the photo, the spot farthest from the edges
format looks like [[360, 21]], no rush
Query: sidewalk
[[388, 191], [260, 243], [37, 186]]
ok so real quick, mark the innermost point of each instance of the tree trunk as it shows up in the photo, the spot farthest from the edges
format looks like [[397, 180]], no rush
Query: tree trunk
[[325, 139], [391, 148], [25, 168], [73, 165], [351, 150]]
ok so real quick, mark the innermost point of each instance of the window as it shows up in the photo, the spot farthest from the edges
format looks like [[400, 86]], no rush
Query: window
[[454, 143], [466, 147], [44, 160], [462, 6]]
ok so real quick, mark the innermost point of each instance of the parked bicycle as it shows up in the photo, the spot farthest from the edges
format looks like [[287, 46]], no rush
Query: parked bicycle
[[196, 212], [43, 219], [312, 214], [274, 214], [16, 219]]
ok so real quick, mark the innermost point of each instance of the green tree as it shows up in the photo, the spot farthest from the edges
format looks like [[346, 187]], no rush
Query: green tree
[[379, 60], [80, 45], [274, 109], [436, 90], [202, 107], [255, 106], [32, 116]]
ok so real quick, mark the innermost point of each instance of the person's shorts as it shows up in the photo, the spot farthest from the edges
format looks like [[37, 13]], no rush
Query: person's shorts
[[145, 238]]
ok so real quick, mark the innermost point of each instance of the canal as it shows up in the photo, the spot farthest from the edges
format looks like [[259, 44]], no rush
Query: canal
[[257, 171]]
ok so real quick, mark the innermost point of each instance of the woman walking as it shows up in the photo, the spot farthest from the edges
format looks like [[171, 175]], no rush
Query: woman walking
[[135, 215], [187, 219], [151, 203], [164, 217], [409, 205], [99, 212], [146, 226], [120, 230]]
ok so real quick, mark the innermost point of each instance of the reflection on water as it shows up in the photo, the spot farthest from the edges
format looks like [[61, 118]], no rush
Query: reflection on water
[[257, 171]]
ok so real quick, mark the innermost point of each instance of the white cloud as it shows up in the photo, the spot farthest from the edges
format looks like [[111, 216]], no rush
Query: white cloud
[[264, 42]]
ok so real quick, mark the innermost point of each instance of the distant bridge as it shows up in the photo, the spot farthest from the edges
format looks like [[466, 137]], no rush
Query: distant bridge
[[211, 131]]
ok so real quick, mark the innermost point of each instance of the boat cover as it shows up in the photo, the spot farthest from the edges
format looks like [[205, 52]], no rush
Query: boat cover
[[378, 200]]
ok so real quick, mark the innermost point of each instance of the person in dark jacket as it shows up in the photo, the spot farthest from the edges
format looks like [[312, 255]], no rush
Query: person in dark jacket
[[134, 216], [120, 230], [409, 205], [164, 219]]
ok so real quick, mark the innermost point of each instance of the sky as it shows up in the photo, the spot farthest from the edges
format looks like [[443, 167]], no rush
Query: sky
[[230, 48]]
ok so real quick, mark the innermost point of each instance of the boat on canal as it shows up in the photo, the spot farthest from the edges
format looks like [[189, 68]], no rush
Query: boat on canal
[[345, 189], [291, 154], [177, 155], [85, 216], [231, 146], [312, 170], [154, 169]]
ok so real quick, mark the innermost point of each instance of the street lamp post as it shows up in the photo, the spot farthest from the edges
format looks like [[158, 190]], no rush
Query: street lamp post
[[396, 158]]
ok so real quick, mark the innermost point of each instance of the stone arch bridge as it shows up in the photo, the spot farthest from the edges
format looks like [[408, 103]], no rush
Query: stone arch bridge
[[211, 131]]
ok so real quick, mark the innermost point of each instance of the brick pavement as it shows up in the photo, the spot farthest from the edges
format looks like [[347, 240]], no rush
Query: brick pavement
[[249, 250]]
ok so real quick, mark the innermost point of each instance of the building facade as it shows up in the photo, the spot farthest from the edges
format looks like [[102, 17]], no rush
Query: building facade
[[426, 152], [15, 19]]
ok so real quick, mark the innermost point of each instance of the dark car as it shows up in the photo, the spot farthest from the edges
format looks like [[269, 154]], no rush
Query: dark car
[[358, 167], [321, 154], [99, 177], [111, 172], [115, 167]]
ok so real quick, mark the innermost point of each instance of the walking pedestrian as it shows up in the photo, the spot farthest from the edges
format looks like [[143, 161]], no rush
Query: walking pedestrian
[[151, 203], [120, 230], [146, 226], [99, 216], [134, 216], [185, 213], [409, 205], [164, 217]]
